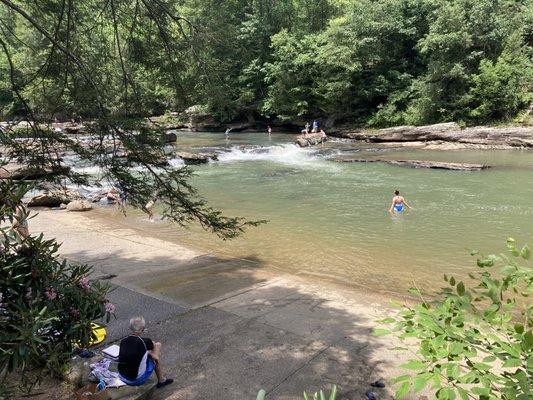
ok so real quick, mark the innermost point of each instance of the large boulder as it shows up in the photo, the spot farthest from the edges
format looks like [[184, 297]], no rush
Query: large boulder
[[99, 195], [199, 119], [311, 139], [54, 198], [79, 205], [24, 172], [196, 158], [170, 137]]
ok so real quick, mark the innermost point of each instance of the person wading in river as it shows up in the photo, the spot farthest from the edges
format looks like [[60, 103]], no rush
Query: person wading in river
[[398, 203]]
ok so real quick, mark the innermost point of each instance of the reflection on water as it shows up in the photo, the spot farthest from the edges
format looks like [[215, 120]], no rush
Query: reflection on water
[[330, 221]]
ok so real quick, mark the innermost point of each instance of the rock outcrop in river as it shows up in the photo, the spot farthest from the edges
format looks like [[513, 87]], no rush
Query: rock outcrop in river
[[310, 139], [440, 135], [196, 158], [416, 163]]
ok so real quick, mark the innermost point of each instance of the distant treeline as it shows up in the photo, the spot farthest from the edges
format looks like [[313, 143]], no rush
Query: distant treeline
[[373, 62]]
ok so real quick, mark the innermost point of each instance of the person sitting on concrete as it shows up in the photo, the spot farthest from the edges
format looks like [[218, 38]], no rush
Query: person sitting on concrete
[[138, 357]]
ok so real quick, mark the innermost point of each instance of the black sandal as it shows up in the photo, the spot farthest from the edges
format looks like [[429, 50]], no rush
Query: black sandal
[[168, 381]]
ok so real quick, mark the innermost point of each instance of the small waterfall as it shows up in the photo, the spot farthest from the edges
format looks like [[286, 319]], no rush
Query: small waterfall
[[282, 154]]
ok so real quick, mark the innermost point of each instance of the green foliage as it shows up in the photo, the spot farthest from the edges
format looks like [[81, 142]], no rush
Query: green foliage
[[46, 304], [320, 395], [377, 63], [475, 339]]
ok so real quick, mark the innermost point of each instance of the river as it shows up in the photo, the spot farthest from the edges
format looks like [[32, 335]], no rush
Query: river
[[329, 220]]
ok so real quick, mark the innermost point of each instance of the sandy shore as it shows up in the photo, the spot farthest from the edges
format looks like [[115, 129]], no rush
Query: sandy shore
[[231, 327]]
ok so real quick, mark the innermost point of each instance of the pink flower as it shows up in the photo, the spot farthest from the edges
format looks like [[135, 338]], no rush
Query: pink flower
[[85, 284], [74, 312], [50, 293], [109, 307]]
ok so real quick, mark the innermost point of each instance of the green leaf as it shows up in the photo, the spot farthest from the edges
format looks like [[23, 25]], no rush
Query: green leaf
[[525, 253], [261, 395], [463, 393], [482, 391], [528, 340], [421, 381], [452, 281], [381, 332], [519, 328], [456, 348], [512, 362], [460, 288], [453, 371], [401, 378], [333, 394], [402, 391], [414, 365]]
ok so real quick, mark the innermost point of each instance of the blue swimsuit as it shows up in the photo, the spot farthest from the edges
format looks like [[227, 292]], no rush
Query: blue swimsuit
[[398, 207]]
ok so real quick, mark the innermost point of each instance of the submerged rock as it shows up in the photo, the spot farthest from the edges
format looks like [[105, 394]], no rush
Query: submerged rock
[[196, 158], [416, 163]]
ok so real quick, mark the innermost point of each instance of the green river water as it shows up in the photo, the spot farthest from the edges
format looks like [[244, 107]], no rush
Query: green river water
[[329, 220]]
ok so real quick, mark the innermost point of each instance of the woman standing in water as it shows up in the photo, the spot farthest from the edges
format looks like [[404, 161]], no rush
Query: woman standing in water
[[398, 203]]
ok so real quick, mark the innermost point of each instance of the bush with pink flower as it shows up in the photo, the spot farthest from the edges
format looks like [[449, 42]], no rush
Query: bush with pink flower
[[46, 304]]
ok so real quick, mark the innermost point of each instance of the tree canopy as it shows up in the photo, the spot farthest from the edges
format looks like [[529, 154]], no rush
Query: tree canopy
[[358, 61]]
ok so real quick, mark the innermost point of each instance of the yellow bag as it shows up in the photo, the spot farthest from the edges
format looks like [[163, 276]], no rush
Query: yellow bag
[[100, 333]]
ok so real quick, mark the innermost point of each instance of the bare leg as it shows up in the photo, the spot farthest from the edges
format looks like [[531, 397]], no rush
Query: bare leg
[[156, 355]]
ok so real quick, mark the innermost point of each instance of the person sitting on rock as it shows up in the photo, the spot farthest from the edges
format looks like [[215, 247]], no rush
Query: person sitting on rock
[[138, 357]]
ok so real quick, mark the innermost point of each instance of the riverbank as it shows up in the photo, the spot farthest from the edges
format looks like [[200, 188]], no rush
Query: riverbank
[[231, 326]]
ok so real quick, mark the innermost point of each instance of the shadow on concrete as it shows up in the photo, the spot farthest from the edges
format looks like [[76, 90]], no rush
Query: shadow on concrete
[[229, 329]]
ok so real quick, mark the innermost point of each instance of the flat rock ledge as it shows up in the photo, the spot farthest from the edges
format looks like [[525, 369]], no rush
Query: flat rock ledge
[[416, 163], [482, 136]]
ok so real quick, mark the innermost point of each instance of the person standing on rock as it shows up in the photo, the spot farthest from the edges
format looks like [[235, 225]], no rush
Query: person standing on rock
[[269, 129], [316, 125], [398, 203], [227, 133]]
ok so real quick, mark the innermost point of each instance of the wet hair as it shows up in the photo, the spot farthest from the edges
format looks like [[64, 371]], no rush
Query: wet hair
[[396, 192]]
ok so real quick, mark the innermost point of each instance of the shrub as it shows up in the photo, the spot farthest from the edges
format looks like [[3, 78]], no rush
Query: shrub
[[475, 338], [316, 396], [46, 304]]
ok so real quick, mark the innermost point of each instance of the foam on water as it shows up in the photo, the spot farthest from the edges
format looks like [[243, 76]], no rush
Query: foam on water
[[288, 154]]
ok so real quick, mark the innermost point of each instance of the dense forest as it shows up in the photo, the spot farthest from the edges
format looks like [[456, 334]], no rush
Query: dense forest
[[371, 62]]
